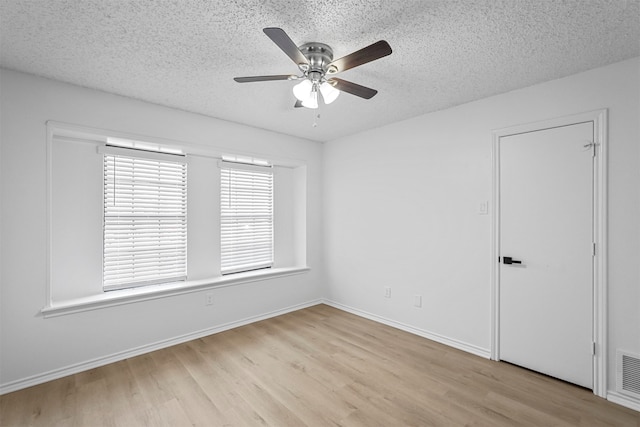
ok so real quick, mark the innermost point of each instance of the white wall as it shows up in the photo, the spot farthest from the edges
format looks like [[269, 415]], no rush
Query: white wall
[[401, 209], [33, 347]]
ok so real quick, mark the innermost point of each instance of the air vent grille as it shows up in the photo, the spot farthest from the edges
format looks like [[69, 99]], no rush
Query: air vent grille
[[628, 370]]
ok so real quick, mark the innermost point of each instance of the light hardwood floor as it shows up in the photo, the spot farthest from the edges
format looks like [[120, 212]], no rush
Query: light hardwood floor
[[314, 367]]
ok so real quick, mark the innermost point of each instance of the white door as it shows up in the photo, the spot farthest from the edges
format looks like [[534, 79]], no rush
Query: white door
[[546, 228]]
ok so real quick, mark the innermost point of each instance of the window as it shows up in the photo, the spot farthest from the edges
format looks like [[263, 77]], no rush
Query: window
[[102, 186], [145, 219], [246, 217]]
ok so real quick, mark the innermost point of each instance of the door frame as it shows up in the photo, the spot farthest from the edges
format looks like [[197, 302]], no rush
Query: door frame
[[599, 119]]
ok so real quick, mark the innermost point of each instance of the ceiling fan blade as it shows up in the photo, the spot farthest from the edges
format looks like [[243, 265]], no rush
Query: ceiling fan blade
[[298, 104], [284, 42], [367, 54], [265, 78], [353, 88]]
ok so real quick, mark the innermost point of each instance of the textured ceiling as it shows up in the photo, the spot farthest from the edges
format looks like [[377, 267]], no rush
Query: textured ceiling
[[184, 54]]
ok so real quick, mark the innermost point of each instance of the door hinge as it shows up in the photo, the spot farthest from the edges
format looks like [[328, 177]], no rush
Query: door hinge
[[594, 248], [593, 349]]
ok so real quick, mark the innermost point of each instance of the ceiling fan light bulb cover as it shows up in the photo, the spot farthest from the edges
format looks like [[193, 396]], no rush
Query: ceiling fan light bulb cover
[[329, 93], [311, 101], [302, 91]]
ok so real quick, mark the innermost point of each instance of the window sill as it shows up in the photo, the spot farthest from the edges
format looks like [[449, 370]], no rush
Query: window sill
[[146, 293]]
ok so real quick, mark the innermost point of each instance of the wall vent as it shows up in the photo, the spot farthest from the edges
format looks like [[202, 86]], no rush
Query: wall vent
[[628, 373]]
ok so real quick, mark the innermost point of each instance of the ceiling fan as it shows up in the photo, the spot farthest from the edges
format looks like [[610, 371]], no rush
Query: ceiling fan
[[315, 61]]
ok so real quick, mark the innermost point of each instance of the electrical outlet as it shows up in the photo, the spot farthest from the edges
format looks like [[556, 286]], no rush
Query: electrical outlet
[[417, 300], [209, 299], [387, 292]]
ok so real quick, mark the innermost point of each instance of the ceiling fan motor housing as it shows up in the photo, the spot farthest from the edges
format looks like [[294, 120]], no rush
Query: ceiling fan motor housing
[[320, 56]]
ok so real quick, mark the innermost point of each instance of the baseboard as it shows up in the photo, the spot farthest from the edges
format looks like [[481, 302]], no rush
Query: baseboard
[[624, 400], [116, 357], [469, 348]]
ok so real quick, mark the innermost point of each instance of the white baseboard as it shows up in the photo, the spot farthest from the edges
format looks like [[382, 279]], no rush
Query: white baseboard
[[469, 348], [624, 400], [105, 360]]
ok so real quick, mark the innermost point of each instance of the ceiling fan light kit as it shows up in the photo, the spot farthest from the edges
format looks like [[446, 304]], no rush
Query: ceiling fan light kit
[[315, 61], [307, 93]]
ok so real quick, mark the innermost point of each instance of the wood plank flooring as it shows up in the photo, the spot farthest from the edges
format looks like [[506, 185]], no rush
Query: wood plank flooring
[[315, 367]]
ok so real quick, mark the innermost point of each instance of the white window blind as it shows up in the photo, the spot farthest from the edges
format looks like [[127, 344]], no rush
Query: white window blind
[[246, 217], [145, 221]]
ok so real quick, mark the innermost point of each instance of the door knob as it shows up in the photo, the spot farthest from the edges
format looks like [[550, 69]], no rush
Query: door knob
[[509, 260]]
